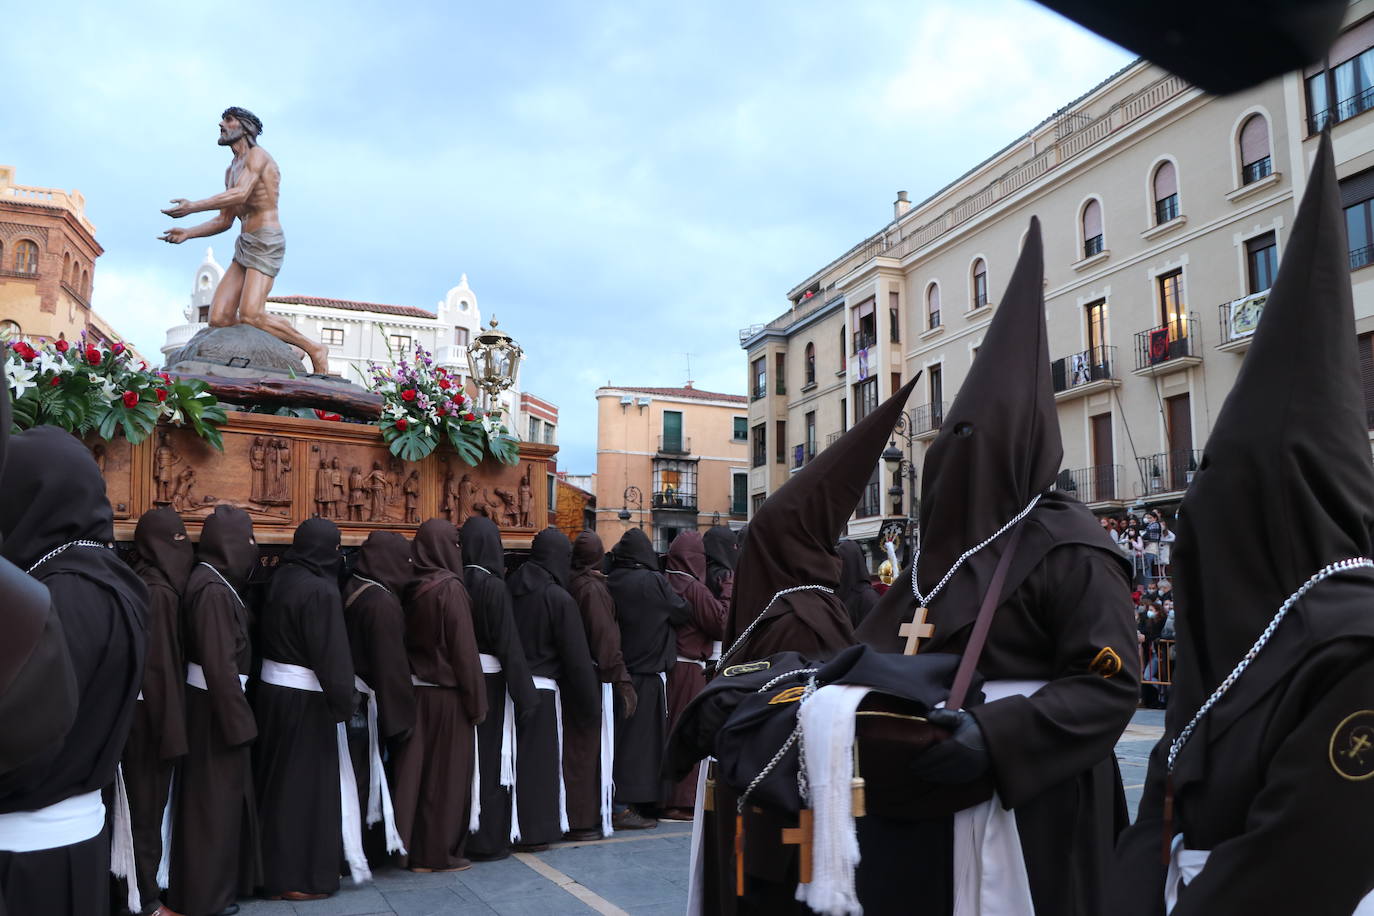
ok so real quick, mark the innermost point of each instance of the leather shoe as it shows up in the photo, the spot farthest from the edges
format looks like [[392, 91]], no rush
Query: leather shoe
[[630, 819]]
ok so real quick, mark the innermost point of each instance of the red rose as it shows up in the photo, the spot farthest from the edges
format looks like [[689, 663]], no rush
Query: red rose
[[441, 412], [62, 346], [408, 394], [326, 415], [131, 399], [93, 355], [164, 376], [25, 351], [469, 417], [402, 423], [161, 395], [56, 380], [117, 349]]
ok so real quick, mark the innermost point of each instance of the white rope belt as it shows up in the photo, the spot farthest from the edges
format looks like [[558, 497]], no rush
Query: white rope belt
[[298, 677], [692, 661], [195, 676], [548, 683], [379, 806]]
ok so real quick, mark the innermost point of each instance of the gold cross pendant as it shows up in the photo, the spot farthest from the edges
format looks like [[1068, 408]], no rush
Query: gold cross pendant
[[800, 836], [915, 631]]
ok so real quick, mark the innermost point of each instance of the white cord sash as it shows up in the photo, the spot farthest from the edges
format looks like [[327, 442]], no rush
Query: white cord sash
[[298, 677], [548, 683], [379, 806], [122, 864], [607, 759]]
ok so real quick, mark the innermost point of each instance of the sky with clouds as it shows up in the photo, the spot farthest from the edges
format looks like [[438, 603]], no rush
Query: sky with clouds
[[623, 183]]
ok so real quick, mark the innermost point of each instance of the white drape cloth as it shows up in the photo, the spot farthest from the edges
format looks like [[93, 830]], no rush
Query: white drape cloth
[[164, 865], [827, 722], [691, 661], [379, 806], [989, 866], [122, 842], [1186, 864], [65, 823], [548, 683], [298, 677], [492, 665], [607, 759], [195, 676], [696, 868]]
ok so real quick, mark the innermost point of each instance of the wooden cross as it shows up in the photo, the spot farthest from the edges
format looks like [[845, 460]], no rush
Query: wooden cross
[[800, 836], [915, 631]]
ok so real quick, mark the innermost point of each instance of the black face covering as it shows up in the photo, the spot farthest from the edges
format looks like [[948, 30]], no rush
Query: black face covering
[[54, 494], [634, 549], [482, 545], [163, 548], [227, 544], [316, 547], [385, 558], [720, 548], [436, 549], [553, 551]]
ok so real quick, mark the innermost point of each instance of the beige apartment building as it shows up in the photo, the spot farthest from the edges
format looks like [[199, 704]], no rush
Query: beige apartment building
[[669, 460], [1164, 213]]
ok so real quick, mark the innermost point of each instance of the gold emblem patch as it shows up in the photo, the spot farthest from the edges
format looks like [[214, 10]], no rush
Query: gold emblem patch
[[790, 695], [1107, 663], [1352, 746], [747, 668]]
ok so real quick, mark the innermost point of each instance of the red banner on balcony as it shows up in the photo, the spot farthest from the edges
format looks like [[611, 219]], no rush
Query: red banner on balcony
[[1159, 345]]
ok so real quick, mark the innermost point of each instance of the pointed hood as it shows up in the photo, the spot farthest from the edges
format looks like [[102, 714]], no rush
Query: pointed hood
[[481, 541], [227, 544], [162, 548], [791, 538], [1285, 486], [687, 554], [385, 558], [999, 443]]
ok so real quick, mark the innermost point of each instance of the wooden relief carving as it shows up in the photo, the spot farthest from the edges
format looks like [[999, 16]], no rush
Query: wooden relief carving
[[353, 483], [115, 460], [192, 478]]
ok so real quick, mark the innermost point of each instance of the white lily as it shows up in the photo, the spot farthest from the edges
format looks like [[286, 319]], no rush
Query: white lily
[[47, 362], [109, 389], [20, 378]]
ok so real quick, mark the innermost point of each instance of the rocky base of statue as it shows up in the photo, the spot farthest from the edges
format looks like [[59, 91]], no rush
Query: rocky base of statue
[[245, 365]]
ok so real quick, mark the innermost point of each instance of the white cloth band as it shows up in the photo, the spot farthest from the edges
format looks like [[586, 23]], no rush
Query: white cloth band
[[1186, 864], [418, 682], [122, 863], [164, 865], [692, 661], [195, 676], [508, 759], [715, 651], [379, 806], [696, 863], [490, 663], [607, 759], [989, 865], [548, 683], [299, 677], [65, 823]]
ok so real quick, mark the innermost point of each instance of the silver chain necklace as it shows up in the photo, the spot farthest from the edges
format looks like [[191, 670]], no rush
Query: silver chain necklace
[[924, 600], [1321, 574], [373, 582], [803, 787], [52, 553], [233, 591], [471, 566], [739, 641]]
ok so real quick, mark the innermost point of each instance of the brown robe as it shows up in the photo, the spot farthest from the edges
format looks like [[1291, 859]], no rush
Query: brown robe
[[433, 786], [582, 740]]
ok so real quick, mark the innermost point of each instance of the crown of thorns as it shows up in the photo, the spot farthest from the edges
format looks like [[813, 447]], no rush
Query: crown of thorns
[[246, 118]]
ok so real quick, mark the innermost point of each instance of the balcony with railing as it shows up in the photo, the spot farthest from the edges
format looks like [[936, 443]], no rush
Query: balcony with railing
[[1081, 374], [1341, 111], [1096, 485], [1361, 257], [674, 445], [802, 455], [832, 438], [1238, 320], [927, 419], [675, 500], [1169, 347], [1168, 472]]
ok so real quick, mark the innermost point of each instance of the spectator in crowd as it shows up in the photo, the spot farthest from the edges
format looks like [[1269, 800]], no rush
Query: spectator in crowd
[[1166, 546], [1150, 535]]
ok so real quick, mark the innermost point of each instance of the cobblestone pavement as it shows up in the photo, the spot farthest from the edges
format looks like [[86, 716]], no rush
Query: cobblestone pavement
[[637, 872]]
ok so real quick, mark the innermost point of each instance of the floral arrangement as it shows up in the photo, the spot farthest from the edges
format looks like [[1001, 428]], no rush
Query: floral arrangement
[[87, 386], [424, 404]]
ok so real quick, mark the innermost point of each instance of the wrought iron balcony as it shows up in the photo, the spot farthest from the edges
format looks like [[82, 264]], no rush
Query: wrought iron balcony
[[1238, 320], [1100, 483], [1361, 257], [674, 445], [1341, 111], [1169, 345], [675, 499], [1089, 370], [927, 419], [1166, 209], [1254, 171], [1169, 472], [802, 455], [1093, 246]]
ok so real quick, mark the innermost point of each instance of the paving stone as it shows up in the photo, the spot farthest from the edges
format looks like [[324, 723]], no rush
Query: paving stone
[[559, 903], [438, 901]]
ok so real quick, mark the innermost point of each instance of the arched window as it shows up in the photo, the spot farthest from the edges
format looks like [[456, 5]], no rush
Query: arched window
[[980, 283], [10, 330], [1166, 192], [1092, 228], [86, 283], [67, 268], [844, 353], [810, 364], [933, 306], [26, 257], [1255, 161]]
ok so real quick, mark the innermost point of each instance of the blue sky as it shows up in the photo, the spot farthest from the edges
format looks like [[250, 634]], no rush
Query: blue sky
[[622, 183]]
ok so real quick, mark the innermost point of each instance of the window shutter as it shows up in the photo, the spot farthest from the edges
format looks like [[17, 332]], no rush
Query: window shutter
[[1254, 140], [1367, 373], [1166, 181], [933, 298], [1357, 188], [1092, 220]]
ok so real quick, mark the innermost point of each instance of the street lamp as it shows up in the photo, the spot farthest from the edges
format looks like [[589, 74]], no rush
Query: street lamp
[[634, 495], [900, 466], [493, 360]]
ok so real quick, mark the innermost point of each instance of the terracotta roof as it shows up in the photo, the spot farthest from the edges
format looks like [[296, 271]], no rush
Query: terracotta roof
[[320, 302], [695, 394]]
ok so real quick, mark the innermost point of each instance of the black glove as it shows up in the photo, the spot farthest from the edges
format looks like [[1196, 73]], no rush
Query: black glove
[[961, 758], [629, 699]]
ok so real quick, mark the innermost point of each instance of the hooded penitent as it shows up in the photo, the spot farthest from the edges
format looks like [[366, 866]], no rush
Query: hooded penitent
[[721, 551], [646, 607], [163, 559], [856, 586], [376, 631], [1284, 489], [493, 613], [790, 542], [37, 685], [385, 559], [686, 566], [227, 544], [997, 448]]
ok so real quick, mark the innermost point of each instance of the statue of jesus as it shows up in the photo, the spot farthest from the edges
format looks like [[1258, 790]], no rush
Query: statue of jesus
[[252, 185]]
